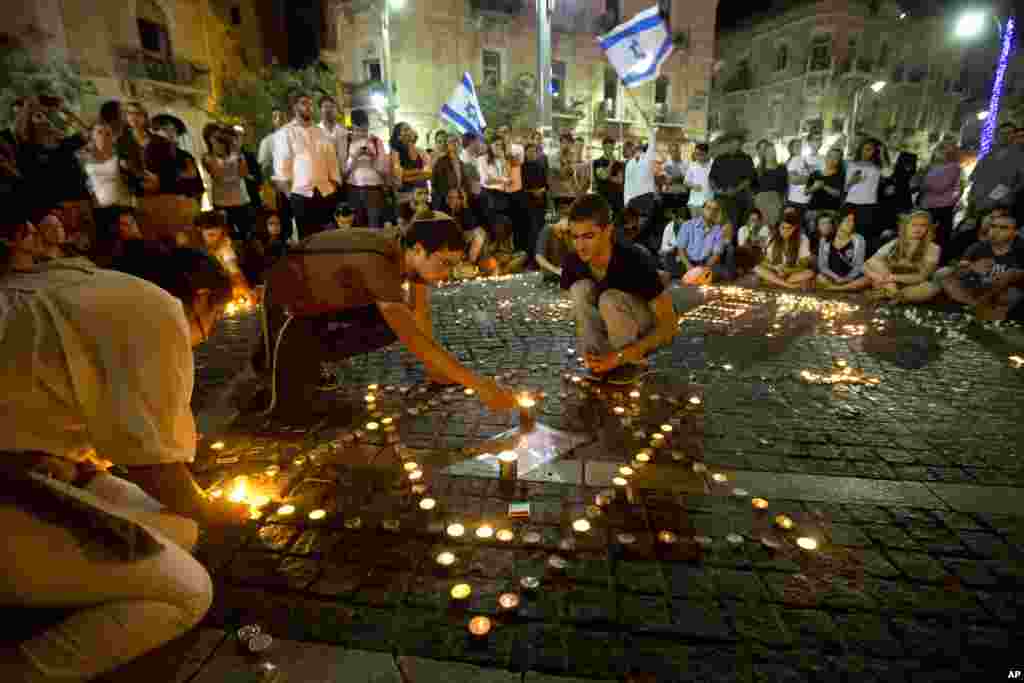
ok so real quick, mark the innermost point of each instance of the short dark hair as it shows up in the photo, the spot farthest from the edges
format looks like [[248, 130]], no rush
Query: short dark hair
[[757, 211], [591, 207], [435, 232], [360, 119], [607, 141], [183, 272], [702, 147], [110, 111], [326, 98], [294, 98], [469, 138]]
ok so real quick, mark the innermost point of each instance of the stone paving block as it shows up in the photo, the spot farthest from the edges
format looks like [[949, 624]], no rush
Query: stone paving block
[[534, 677], [177, 662], [306, 662], [918, 566], [869, 634], [420, 669], [969, 498]]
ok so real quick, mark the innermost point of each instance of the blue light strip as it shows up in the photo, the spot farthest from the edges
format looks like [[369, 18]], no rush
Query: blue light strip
[[988, 131]]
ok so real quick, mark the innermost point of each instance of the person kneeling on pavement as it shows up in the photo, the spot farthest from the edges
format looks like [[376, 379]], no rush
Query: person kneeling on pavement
[[623, 310], [990, 277], [87, 387], [343, 293]]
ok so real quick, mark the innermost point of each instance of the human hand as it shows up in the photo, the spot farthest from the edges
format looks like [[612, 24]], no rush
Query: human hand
[[602, 363], [496, 397]]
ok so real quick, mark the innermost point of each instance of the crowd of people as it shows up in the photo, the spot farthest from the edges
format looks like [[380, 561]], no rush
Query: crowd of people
[[110, 274]]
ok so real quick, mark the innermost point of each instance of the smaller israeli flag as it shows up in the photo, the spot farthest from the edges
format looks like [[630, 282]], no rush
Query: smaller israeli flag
[[463, 109], [638, 48]]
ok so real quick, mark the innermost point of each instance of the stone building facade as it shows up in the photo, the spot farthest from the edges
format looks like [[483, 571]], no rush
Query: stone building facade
[[172, 55], [781, 76], [434, 41]]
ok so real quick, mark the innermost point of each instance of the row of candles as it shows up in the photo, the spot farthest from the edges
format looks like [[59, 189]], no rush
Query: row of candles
[[480, 626]]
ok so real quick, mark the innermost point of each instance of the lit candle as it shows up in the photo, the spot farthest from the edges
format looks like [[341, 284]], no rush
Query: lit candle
[[695, 400], [784, 522], [556, 562], [620, 481], [318, 514], [484, 531], [643, 456], [286, 510], [699, 467], [625, 470], [508, 462], [666, 428], [526, 404], [619, 410], [461, 591], [387, 420], [531, 537], [719, 478], [505, 535], [667, 537], [217, 446], [508, 601], [626, 539], [373, 387], [370, 398], [634, 394], [480, 626], [372, 426], [455, 530], [529, 582], [581, 526], [272, 470], [807, 543], [445, 559], [760, 503], [428, 504], [217, 493], [411, 466], [416, 475]]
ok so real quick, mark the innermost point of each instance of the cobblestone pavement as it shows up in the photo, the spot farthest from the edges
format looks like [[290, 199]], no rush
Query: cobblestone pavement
[[890, 441]]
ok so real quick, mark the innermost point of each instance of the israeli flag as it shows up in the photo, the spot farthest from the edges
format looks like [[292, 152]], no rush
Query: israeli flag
[[463, 109], [638, 48]]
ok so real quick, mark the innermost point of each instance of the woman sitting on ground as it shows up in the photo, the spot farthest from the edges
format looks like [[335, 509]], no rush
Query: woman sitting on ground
[[903, 270], [840, 254], [725, 269], [787, 259], [116, 554]]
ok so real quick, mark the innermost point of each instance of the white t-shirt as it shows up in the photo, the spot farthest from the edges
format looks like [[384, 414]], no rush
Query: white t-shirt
[[803, 254], [802, 166], [865, 191], [744, 236], [79, 371], [697, 174]]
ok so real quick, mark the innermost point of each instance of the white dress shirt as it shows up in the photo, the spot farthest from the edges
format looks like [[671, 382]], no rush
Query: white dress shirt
[[802, 166], [265, 155], [339, 136], [306, 159], [640, 172], [697, 174], [369, 164]]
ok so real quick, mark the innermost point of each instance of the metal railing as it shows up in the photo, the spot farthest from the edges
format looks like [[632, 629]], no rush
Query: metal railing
[[137, 64]]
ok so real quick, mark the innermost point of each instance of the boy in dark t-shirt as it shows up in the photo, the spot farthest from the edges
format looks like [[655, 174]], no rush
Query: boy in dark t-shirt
[[623, 311], [990, 277]]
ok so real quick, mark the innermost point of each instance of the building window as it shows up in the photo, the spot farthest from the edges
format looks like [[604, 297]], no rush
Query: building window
[[236, 16], [492, 69], [782, 58], [611, 90], [558, 80], [372, 70], [154, 36], [665, 7], [611, 8], [821, 53]]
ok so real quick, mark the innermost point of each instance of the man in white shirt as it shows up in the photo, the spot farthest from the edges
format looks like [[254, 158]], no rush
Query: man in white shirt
[[265, 158], [369, 168], [800, 168], [306, 168], [696, 180], [640, 191], [336, 132]]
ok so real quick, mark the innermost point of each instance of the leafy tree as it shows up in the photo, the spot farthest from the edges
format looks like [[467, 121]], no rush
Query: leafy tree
[[22, 76], [251, 100], [509, 106]]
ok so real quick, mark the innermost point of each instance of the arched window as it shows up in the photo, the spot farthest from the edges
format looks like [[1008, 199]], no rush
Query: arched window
[[782, 58], [154, 29]]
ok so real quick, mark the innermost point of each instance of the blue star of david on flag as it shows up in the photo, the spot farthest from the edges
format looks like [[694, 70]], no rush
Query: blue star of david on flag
[[463, 109], [638, 48]]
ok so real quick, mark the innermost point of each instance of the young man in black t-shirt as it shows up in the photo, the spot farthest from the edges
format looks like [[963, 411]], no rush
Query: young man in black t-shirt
[[623, 311], [990, 277]]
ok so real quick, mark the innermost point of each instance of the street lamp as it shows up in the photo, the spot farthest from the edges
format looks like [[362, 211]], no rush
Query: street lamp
[[969, 25], [851, 125], [983, 114]]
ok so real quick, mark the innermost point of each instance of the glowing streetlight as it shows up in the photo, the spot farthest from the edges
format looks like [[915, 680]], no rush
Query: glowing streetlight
[[970, 24], [983, 114], [878, 86]]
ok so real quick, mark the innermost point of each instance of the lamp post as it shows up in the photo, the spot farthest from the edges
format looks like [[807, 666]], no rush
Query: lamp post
[[851, 124], [544, 10], [970, 25], [385, 62]]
